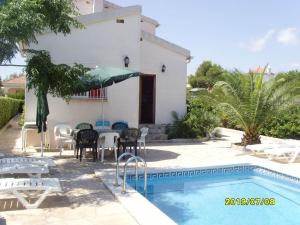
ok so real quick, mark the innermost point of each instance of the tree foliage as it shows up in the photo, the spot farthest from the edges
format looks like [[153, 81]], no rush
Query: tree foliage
[[206, 75], [58, 80], [249, 102], [22, 20]]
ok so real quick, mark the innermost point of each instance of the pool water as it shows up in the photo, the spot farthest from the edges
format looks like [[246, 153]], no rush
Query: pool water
[[200, 200]]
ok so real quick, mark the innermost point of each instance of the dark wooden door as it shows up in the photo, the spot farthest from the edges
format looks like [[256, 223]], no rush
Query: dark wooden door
[[147, 99]]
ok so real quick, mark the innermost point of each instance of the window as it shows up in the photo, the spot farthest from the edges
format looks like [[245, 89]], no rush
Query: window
[[120, 21], [92, 94]]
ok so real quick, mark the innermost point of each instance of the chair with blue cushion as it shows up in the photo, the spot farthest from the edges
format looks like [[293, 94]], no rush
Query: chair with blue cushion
[[120, 125], [103, 125]]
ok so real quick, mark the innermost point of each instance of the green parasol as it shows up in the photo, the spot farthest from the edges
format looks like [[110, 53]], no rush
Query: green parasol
[[41, 116], [105, 76]]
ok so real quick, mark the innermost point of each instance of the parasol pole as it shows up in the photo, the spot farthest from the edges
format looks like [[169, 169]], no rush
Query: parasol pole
[[42, 141], [101, 91], [102, 108]]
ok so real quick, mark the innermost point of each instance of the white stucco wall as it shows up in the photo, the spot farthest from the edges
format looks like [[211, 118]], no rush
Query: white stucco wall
[[108, 6], [102, 44], [170, 85], [98, 5], [148, 27], [106, 43], [89, 6], [84, 6]]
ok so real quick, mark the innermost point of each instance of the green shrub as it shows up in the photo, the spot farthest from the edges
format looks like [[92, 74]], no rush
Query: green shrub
[[200, 121], [202, 118], [180, 128], [286, 125], [1, 91], [22, 117], [9, 107], [18, 95]]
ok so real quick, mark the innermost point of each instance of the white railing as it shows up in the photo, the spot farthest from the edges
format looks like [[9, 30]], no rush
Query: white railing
[[92, 94]]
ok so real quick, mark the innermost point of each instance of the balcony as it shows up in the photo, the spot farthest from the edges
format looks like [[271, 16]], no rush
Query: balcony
[[99, 93]]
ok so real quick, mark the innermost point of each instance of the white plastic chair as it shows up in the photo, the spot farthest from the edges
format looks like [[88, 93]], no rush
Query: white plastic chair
[[62, 136], [108, 141], [142, 138]]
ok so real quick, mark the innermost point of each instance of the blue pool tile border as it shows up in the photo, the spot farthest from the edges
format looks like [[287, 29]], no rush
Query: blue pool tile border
[[277, 175], [196, 172], [226, 170]]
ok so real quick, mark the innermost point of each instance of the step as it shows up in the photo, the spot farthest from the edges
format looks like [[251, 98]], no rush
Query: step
[[153, 137], [177, 141], [156, 131]]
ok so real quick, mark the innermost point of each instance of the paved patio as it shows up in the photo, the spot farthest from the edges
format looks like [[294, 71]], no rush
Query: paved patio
[[85, 200]]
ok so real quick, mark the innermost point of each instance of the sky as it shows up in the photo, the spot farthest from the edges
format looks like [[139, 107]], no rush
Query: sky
[[237, 34]]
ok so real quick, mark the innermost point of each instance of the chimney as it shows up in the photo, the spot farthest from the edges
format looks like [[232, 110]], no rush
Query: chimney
[[98, 5], [89, 6]]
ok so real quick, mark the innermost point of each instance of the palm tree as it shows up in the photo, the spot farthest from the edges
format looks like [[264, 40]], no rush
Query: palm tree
[[249, 102]]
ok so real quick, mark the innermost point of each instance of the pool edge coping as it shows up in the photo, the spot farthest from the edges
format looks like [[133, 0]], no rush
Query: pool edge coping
[[142, 210]]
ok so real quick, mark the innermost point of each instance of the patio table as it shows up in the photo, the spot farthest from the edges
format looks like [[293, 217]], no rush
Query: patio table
[[108, 131], [26, 127], [100, 131]]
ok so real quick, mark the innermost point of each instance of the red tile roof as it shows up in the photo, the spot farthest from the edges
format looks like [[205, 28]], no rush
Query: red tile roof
[[257, 70], [17, 80]]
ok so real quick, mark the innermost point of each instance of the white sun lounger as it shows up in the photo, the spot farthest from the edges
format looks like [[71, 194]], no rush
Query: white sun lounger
[[289, 153], [17, 186], [261, 148], [32, 170], [33, 160]]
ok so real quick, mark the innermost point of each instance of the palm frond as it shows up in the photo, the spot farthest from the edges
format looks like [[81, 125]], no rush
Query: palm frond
[[253, 101]]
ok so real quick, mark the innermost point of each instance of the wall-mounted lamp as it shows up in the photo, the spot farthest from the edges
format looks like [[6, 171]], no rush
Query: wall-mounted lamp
[[163, 68], [126, 61]]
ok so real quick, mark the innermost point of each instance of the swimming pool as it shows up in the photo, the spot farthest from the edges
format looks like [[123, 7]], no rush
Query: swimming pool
[[247, 195]]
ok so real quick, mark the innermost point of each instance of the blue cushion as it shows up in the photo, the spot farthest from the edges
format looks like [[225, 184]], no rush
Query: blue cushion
[[102, 123], [120, 125]]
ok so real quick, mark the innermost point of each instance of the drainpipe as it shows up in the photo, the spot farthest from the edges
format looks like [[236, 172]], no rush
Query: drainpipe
[[94, 2]]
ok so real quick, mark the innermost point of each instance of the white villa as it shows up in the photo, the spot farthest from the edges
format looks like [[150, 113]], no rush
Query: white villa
[[111, 34], [14, 85]]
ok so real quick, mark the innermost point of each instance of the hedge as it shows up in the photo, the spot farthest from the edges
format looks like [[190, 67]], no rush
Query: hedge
[[9, 107], [18, 95], [286, 125]]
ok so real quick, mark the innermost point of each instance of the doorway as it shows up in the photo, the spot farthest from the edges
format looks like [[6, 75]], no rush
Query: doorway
[[147, 99]]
